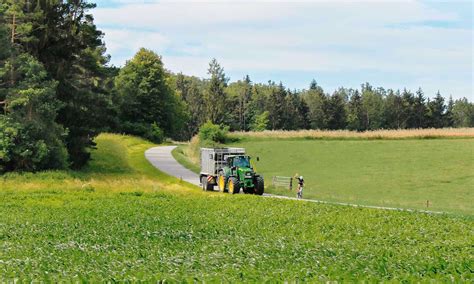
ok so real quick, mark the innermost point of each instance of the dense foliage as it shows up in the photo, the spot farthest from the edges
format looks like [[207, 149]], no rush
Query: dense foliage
[[58, 92], [250, 106], [210, 133], [120, 219], [149, 106]]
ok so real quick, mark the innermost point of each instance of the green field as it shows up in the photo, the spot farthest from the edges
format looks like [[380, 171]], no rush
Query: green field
[[397, 173], [120, 219]]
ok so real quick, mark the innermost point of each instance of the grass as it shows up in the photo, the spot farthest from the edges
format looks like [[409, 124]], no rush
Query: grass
[[394, 173], [413, 173], [122, 220], [180, 155]]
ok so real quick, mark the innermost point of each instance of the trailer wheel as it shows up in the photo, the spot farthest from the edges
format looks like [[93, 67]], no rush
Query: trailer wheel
[[259, 186], [221, 182], [209, 186], [234, 186]]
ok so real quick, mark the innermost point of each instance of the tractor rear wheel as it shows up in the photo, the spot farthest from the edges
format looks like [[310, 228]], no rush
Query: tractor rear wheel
[[234, 185], [259, 185], [221, 182]]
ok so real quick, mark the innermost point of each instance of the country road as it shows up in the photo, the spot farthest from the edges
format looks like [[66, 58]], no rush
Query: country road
[[161, 158]]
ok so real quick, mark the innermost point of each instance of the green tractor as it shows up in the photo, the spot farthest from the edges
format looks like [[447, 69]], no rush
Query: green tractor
[[237, 174]]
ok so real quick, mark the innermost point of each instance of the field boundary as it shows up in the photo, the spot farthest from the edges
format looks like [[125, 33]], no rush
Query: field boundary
[[356, 205], [402, 134]]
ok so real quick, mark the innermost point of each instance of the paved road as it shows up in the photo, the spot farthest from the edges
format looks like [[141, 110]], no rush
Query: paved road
[[161, 158]]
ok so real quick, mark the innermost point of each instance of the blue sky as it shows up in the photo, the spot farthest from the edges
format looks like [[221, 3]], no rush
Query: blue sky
[[393, 44]]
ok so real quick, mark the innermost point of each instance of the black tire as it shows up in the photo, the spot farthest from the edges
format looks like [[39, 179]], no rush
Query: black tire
[[259, 185], [233, 185], [222, 188], [209, 186]]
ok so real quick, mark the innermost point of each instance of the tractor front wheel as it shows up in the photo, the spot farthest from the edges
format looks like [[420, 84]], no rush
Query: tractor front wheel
[[259, 185], [234, 186]]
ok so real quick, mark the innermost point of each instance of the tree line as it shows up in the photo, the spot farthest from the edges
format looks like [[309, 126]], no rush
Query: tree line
[[58, 92]]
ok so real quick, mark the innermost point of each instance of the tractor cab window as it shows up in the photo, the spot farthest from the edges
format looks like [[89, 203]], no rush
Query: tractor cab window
[[241, 162]]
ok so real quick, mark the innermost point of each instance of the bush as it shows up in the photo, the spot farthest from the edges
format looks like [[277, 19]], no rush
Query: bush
[[29, 147], [155, 134], [210, 132], [151, 132]]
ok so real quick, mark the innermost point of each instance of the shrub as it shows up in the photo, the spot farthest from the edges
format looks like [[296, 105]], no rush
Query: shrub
[[155, 134], [210, 132], [151, 132]]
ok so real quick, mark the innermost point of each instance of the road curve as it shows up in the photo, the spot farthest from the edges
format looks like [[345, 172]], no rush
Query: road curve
[[161, 158]]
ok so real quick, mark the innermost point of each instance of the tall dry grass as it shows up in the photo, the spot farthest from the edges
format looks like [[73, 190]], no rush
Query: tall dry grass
[[377, 134]]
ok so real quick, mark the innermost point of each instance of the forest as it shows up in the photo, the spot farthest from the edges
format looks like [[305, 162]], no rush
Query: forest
[[58, 92]]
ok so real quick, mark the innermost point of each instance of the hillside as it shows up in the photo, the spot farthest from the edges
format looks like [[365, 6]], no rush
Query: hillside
[[120, 219]]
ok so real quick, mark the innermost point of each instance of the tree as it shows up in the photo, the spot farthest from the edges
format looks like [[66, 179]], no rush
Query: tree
[[355, 114], [147, 98], [408, 102], [216, 96], [315, 100], [463, 113], [335, 111], [261, 122], [31, 140], [276, 107], [63, 37], [372, 105], [449, 115], [394, 111], [436, 111], [420, 110], [190, 91]]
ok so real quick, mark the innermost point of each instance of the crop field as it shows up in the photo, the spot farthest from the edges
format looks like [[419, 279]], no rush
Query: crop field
[[120, 219]]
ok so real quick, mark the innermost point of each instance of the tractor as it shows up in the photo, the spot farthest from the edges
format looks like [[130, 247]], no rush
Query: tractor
[[231, 170]]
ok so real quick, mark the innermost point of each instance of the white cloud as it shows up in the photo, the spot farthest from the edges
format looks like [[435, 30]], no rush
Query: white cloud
[[294, 37]]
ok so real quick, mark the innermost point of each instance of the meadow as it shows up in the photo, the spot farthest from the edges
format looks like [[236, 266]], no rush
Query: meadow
[[121, 219], [426, 169]]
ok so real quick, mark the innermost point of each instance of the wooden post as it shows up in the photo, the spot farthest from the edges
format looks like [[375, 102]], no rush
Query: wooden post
[[427, 203], [291, 183]]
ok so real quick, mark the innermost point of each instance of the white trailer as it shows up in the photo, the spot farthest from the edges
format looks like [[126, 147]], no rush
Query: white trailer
[[212, 160]]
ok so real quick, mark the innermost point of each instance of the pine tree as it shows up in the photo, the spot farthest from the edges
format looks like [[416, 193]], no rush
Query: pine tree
[[420, 110], [276, 107], [216, 97], [335, 111], [315, 100], [408, 102], [436, 111], [449, 116], [355, 112]]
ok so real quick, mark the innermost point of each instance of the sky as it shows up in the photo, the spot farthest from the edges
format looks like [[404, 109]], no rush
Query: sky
[[392, 44]]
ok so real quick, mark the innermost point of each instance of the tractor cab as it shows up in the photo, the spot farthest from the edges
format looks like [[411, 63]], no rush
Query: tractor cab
[[240, 161]]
